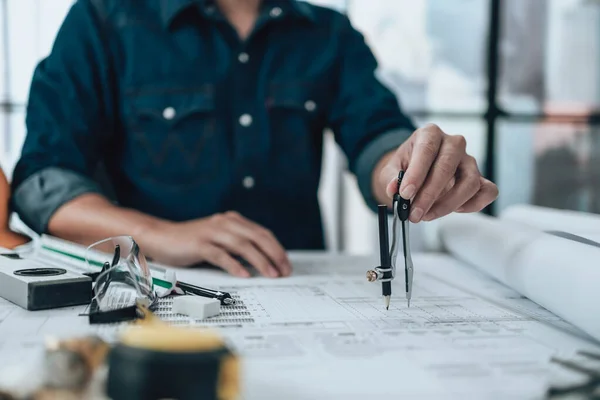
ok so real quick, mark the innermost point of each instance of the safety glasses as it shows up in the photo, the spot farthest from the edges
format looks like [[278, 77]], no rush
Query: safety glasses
[[124, 282]]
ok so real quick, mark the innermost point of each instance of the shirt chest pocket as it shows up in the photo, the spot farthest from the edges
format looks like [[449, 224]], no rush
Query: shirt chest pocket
[[297, 117], [172, 138]]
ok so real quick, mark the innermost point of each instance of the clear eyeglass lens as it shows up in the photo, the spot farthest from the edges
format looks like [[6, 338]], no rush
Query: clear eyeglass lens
[[128, 280]]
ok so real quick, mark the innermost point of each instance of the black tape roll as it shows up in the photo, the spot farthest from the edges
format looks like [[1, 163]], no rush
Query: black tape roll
[[142, 374]]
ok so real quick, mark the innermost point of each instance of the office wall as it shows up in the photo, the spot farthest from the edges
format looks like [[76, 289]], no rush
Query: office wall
[[432, 54]]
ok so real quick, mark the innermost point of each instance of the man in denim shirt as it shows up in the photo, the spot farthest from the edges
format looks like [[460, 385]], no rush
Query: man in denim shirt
[[207, 119]]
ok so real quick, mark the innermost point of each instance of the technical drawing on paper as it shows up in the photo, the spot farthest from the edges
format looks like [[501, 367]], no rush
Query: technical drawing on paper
[[463, 334]]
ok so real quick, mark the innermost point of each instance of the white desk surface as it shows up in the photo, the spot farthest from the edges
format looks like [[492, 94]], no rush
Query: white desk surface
[[324, 333]]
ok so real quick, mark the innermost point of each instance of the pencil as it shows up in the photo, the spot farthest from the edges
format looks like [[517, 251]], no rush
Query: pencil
[[384, 255]]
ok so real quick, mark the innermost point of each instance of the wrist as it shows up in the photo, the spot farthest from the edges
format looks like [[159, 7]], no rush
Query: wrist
[[150, 234]]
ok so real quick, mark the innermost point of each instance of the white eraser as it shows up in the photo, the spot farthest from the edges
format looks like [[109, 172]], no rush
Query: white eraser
[[196, 306]]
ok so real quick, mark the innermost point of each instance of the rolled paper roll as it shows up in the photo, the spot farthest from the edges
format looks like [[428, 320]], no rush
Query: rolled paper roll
[[559, 274], [549, 219]]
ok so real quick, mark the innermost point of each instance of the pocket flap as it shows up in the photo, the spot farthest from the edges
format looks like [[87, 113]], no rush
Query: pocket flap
[[171, 106], [296, 96]]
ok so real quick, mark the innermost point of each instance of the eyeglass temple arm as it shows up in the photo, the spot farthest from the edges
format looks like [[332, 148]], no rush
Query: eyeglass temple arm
[[104, 288], [117, 255], [106, 266]]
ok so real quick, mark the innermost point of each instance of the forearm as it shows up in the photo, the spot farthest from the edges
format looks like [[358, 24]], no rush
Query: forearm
[[91, 217], [73, 207]]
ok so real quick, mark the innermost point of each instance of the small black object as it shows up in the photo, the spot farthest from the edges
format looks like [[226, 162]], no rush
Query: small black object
[[40, 272], [12, 256], [224, 297], [97, 316]]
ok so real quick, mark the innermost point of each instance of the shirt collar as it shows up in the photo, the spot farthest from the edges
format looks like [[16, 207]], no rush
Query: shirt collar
[[299, 7], [172, 8]]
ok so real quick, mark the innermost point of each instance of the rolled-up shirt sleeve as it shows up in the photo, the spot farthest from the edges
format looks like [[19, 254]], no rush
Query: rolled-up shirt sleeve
[[69, 119], [366, 117], [41, 194]]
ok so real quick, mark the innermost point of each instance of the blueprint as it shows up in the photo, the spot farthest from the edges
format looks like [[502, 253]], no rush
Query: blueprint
[[324, 333]]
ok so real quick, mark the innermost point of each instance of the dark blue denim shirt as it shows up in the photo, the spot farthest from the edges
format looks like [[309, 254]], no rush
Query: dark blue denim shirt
[[187, 120]]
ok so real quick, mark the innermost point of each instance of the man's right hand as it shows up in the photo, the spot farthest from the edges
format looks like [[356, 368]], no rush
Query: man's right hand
[[216, 240]]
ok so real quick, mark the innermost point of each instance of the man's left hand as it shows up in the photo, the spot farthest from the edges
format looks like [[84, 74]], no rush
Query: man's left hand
[[440, 177]]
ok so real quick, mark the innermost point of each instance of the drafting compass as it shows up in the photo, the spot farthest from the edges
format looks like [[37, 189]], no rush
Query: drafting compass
[[386, 272]]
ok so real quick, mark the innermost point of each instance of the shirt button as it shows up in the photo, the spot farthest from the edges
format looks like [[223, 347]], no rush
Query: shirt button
[[169, 113], [243, 58], [275, 12], [246, 120], [310, 105], [248, 182]]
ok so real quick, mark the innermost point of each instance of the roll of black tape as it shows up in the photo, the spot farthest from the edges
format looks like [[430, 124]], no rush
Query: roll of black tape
[[143, 374]]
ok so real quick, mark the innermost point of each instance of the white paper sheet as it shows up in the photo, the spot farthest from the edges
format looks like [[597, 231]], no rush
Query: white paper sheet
[[324, 333], [559, 274]]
